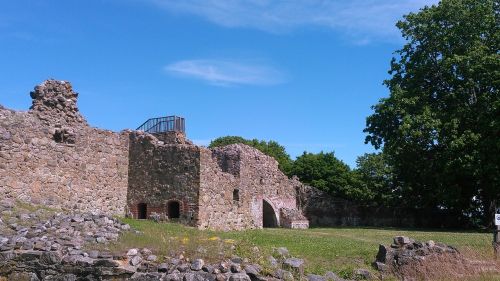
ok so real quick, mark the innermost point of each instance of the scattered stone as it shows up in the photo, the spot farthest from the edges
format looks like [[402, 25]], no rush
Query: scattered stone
[[173, 277], [284, 275], [294, 264], [106, 263], [252, 270], [208, 268], [183, 267], [239, 277], [235, 267], [197, 264], [312, 277], [163, 267], [132, 252], [330, 276], [363, 273], [273, 262], [401, 240], [135, 260], [237, 260]]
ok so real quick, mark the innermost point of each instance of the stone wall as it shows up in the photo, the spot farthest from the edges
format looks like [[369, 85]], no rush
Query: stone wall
[[49, 155], [235, 181], [324, 210], [217, 184], [160, 173]]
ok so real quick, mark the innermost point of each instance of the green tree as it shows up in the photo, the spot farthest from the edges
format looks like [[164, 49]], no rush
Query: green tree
[[440, 126], [326, 172], [375, 174], [270, 148]]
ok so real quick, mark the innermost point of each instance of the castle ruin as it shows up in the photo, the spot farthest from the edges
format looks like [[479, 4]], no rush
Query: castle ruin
[[51, 156]]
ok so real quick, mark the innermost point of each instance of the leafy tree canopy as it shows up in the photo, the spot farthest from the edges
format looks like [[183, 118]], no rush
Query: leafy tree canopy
[[375, 176], [440, 126], [270, 148], [326, 172]]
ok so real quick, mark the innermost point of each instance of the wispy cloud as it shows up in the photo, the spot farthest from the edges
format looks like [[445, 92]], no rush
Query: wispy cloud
[[226, 72], [361, 20]]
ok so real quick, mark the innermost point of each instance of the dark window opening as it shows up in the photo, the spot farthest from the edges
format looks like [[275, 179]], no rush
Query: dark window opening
[[236, 195], [142, 211], [173, 210], [64, 136], [269, 216]]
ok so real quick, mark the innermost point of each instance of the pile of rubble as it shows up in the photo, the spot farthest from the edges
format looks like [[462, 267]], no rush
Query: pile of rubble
[[412, 260], [45, 244], [42, 244]]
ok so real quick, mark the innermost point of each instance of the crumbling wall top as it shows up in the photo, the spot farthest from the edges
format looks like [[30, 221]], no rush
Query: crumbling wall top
[[55, 101]]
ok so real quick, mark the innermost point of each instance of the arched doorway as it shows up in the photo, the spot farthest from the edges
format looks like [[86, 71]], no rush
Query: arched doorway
[[269, 215], [173, 210], [142, 211]]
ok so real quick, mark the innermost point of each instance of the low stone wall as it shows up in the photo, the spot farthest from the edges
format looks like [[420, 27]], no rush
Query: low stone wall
[[49, 155], [293, 218], [324, 210]]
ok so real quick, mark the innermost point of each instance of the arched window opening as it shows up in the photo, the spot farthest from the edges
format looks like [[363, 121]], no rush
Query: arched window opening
[[142, 211], [173, 210]]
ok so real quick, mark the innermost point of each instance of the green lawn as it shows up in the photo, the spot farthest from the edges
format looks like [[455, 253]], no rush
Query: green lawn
[[325, 249]]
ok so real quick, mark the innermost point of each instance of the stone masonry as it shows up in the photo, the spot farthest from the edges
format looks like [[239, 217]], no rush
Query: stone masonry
[[50, 155], [229, 188]]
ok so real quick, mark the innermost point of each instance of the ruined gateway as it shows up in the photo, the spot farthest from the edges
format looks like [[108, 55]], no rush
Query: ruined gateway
[[50, 155]]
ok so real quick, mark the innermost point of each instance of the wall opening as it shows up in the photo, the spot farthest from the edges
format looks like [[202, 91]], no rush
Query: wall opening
[[236, 195], [142, 211], [173, 210], [269, 215]]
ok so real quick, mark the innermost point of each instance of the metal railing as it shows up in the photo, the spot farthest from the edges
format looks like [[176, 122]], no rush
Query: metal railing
[[163, 124]]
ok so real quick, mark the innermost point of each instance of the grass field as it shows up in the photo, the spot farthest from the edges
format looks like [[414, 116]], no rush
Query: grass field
[[324, 249]]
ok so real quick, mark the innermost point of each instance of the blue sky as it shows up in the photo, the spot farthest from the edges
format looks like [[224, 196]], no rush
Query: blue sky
[[303, 73]]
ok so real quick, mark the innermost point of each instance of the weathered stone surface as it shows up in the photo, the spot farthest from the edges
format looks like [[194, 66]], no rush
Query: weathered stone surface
[[312, 277], [50, 155], [252, 270], [230, 184], [363, 274], [284, 275], [401, 240], [294, 264], [239, 277], [135, 260], [51, 257], [197, 264], [330, 276], [173, 277], [106, 263], [23, 276], [132, 252]]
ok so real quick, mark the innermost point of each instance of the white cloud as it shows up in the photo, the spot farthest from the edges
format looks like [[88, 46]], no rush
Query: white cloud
[[361, 20], [226, 72]]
